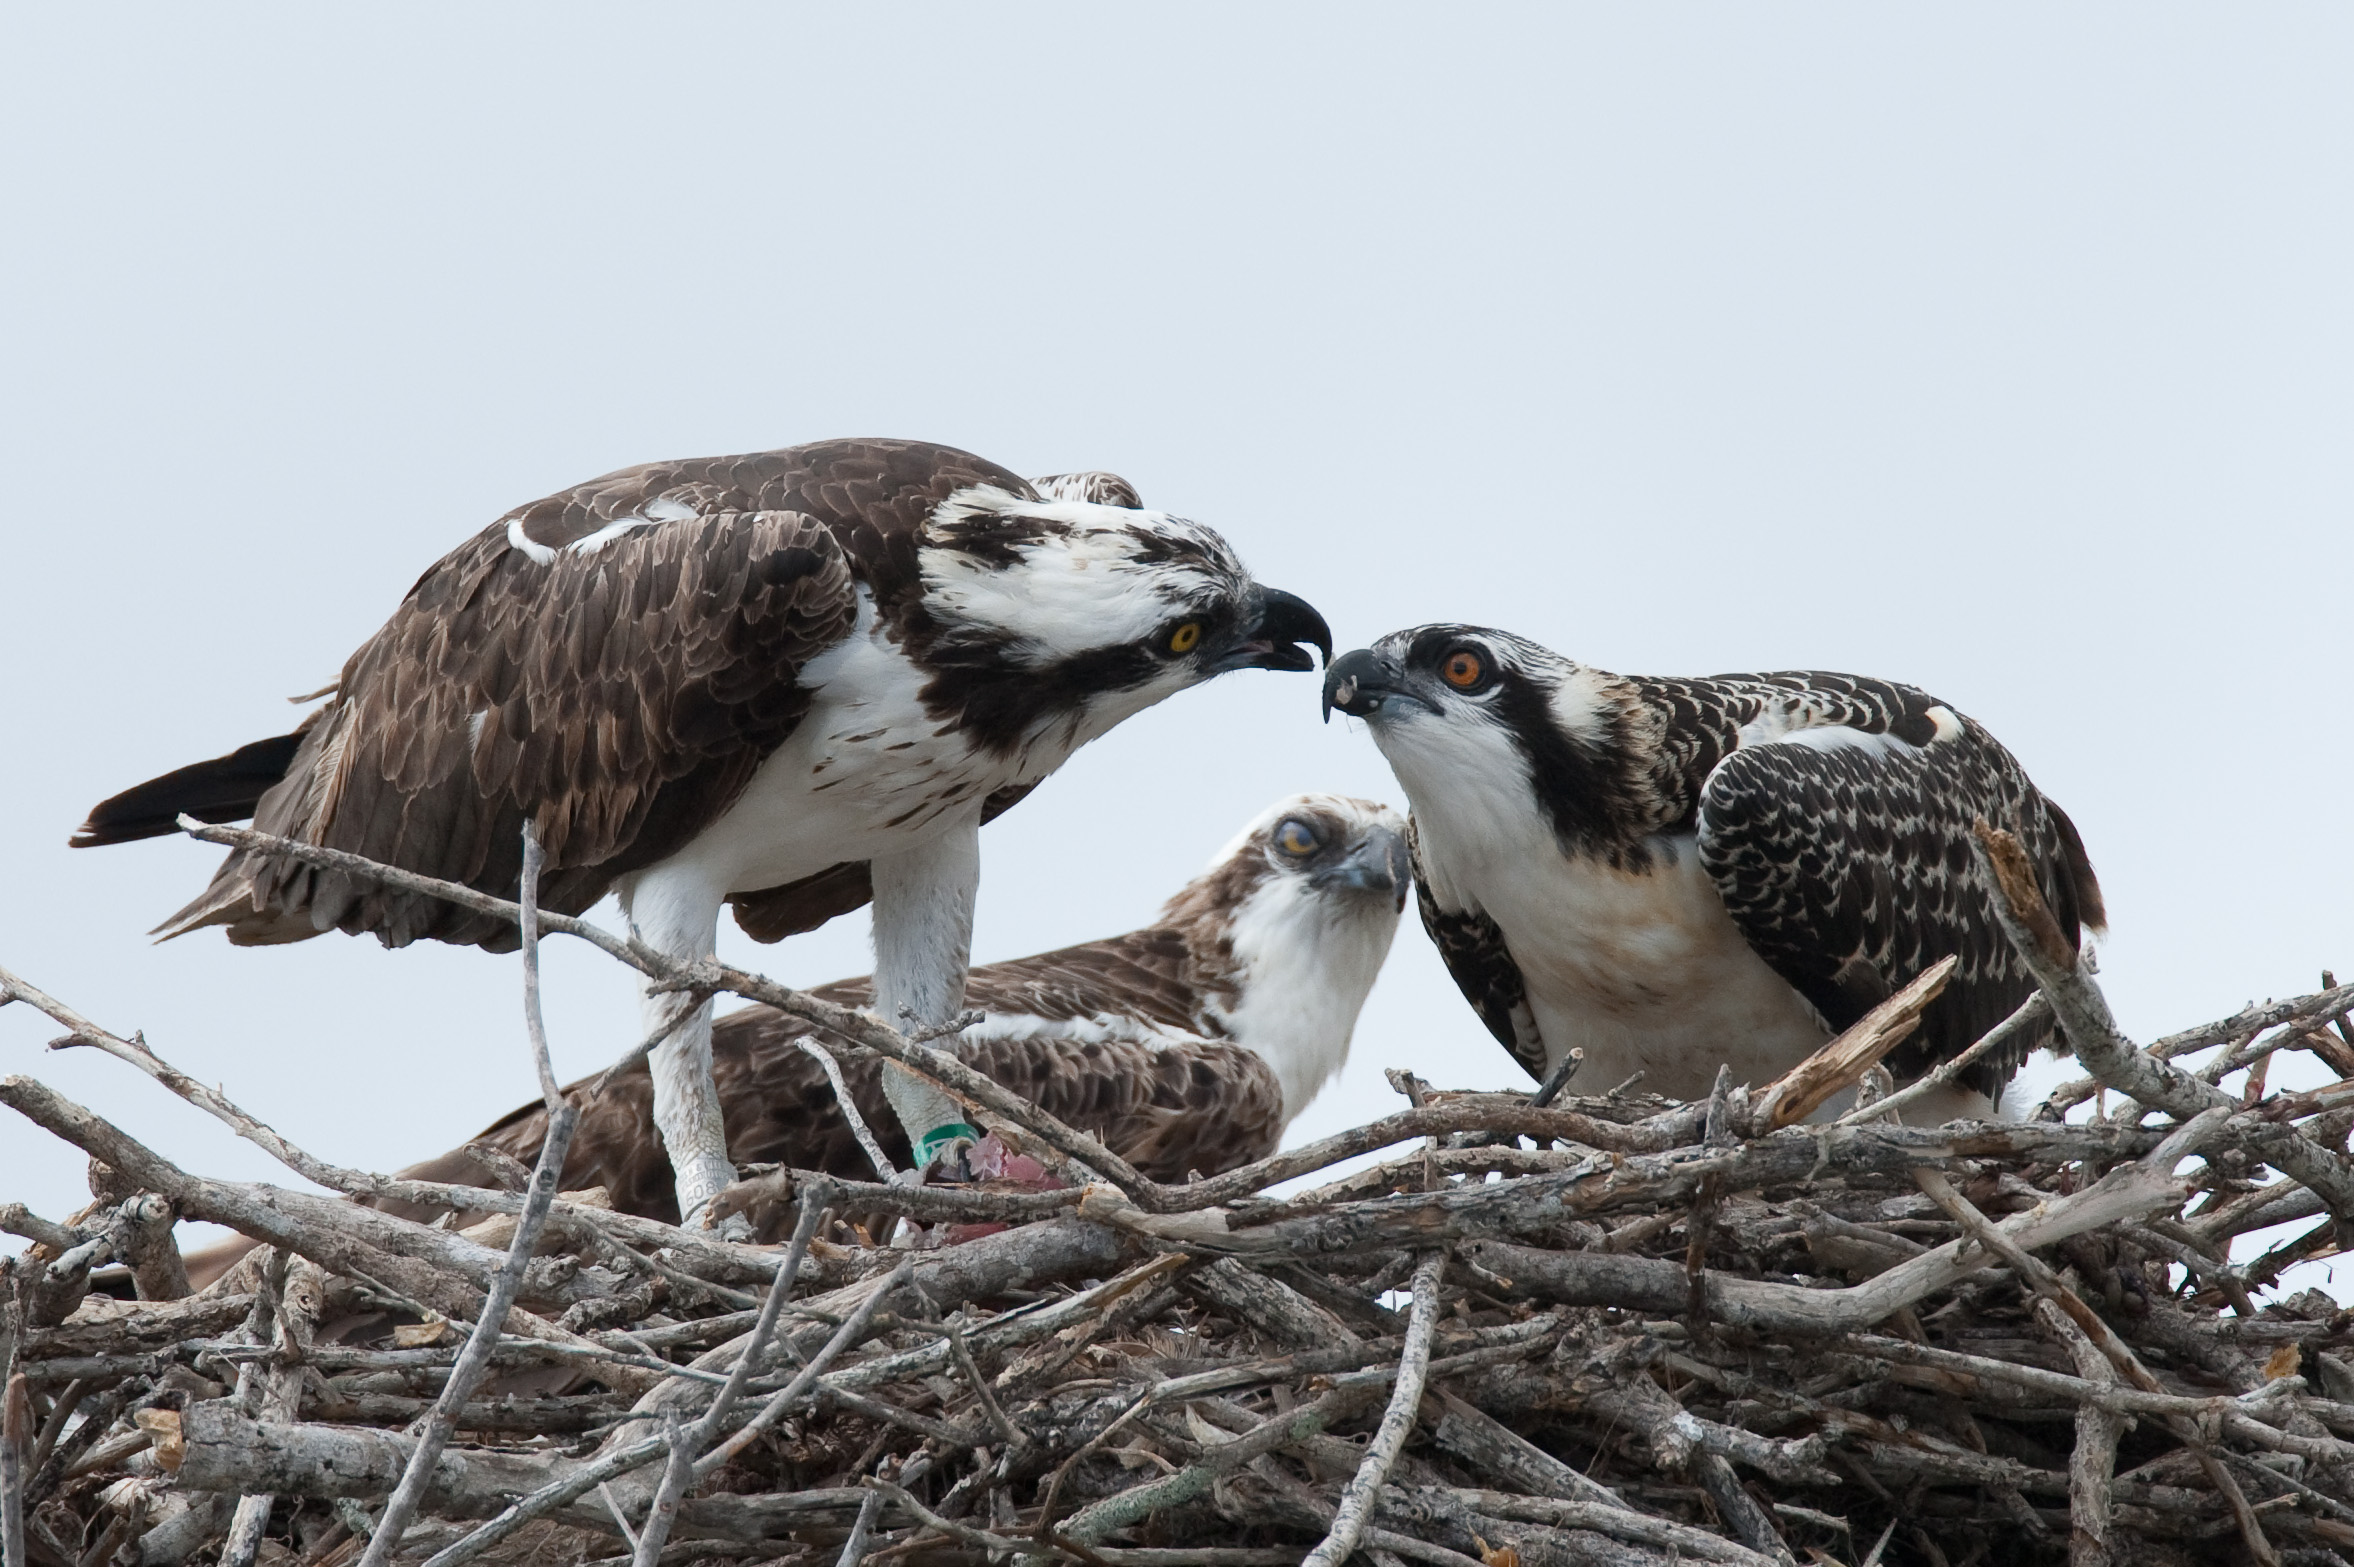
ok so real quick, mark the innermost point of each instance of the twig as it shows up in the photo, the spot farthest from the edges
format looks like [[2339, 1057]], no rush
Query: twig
[[2028, 1013], [854, 1548], [16, 1438], [1558, 1078], [620, 1515], [849, 1103], [136, 1052], [1799, 1092], [2093, 1463], [2084, 1015], [687, 1444], [2041, 1278], [1356, 1504], [474, 1361], [775, 1408]]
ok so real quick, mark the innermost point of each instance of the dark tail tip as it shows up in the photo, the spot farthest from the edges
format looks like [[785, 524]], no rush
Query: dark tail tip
[[2091, 908], [225, 789]]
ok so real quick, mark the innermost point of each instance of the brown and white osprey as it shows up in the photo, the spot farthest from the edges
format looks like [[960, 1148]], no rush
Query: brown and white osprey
[[1672, 874], [1188, 1045], [790, 680]]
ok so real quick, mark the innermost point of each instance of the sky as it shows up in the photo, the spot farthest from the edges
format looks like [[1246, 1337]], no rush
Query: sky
[[2005, 350]]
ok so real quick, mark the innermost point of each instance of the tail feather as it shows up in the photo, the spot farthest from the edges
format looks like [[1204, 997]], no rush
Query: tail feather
[[225, 789]]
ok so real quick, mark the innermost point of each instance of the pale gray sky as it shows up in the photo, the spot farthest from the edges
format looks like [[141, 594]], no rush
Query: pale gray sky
[[2008, 350]]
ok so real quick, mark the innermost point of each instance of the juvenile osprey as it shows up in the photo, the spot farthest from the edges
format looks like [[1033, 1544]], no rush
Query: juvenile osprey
[[1677, 873], [791, 680], [1188, 1045]]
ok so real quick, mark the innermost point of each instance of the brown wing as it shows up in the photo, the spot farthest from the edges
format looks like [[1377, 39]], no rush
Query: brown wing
[[1170, 1110], [619, 696]]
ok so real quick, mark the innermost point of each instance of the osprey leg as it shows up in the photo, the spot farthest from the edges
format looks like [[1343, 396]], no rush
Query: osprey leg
[[923, 932], [675, 912]]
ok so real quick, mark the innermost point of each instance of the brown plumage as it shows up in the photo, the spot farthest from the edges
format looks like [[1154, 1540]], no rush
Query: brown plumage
[[702, 618], [1670, 874], [1148, 1040], [1168, 1109], [793, 680]]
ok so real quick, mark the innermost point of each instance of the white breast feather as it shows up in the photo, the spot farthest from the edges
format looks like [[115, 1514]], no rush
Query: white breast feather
[[1307, 967]]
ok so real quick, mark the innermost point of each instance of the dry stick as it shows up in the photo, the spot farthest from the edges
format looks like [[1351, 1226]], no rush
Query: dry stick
[[2303, 1011], [710, 976], [292, 1301], [2030, 1012], [359, 1183], [16, 1436], [135, 1051], [854, 1548], [2039, 1277], [2112, 1396], [1124, 1508], [2094, 1036], [774, 1410], [858, 1127], [1584, 1278], [620, 1517], [990, 1409], [1364, 1488], [1799, 1092], [959, 1531], [1558, 1079], [545, 1500], [440, 1424], [2093, 1463], [315, 1227], [686, 1445]]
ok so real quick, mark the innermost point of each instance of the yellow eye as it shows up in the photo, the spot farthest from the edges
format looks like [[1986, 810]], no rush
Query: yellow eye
[[1294, 837], [1462, 669], [1186, 637]]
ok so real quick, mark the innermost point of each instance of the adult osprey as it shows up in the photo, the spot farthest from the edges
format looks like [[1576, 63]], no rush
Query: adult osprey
[[1671, 874], [792, 680], [1188, 1045]]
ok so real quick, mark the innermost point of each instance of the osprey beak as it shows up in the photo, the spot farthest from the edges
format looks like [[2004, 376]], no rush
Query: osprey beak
[[1379, 864], [1285, 621], [1361, 683]]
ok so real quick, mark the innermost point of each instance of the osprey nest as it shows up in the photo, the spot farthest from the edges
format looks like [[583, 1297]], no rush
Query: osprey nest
[[1549, 1328]]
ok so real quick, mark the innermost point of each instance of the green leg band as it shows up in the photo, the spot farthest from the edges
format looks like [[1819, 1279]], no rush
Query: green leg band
[[934, 1139]]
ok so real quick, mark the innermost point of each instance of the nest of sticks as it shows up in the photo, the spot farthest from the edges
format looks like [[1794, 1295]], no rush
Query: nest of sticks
[[1545, 1328]]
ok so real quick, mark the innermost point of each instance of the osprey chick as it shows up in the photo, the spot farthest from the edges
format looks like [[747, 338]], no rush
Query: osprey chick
[[1188, 1045], [1673, 874], [793, 680]]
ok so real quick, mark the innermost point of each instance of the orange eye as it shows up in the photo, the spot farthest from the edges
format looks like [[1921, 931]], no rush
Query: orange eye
[[1462, 669], [1186, 637]]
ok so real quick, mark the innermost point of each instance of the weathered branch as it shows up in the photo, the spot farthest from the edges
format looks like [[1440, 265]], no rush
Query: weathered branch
[[2093, 1034], [1839, 1065], [1355, 1511]]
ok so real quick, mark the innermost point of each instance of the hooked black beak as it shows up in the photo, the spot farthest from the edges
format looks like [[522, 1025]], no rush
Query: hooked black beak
[[1285, 621], [1359, 683], [1379, 864]]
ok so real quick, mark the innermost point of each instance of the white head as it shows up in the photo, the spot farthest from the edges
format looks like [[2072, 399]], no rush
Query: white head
[[1292, 921], [1078, 613]]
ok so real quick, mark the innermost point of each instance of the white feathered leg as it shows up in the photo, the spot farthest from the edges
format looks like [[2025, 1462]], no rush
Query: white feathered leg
[[923, 937], [676, 911]]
